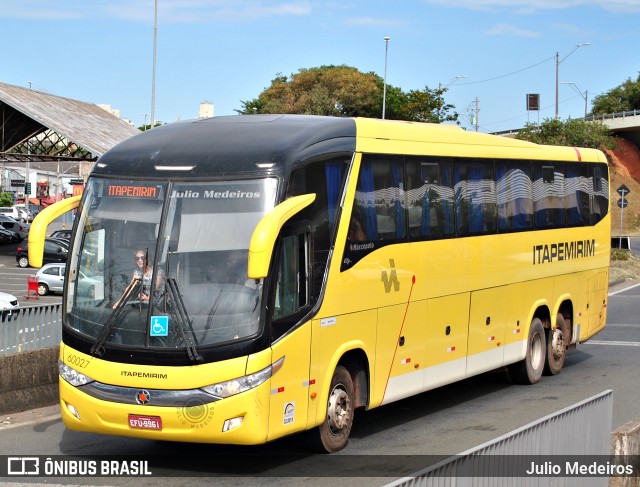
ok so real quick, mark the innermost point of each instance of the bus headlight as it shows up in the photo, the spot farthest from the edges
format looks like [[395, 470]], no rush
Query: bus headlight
[[72, 376], [242, 384]]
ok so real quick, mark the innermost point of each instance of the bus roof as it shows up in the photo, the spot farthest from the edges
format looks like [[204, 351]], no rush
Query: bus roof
[[269, 144], [236, 144], [404, 137]]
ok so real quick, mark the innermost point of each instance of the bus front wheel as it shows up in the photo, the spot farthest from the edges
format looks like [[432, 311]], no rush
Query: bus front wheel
[[556, 347], [529, 370], [333, 434]]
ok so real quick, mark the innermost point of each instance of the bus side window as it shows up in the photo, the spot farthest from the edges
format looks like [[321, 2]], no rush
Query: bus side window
[[429, 198], [578, 190], [475, 197], [292, 290], [548, 195], [381, 197], [514, 195], [600, 201]]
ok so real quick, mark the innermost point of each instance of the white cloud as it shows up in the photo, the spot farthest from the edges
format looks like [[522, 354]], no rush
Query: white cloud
[[527, 6], [143, 10]]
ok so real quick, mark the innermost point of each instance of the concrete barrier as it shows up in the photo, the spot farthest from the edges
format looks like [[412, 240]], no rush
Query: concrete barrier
[[625, 442], [28, 380]]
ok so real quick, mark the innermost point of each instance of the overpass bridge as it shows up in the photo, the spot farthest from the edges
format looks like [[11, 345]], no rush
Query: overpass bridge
[[625, 124]]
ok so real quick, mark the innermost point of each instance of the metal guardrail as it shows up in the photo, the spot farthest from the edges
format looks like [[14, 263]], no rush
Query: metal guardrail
[[31, 328], [611, 116], [591, 118], [582, 430]]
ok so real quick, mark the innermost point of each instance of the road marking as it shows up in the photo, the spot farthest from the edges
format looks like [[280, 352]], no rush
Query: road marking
[[614, 343], [623, 290]]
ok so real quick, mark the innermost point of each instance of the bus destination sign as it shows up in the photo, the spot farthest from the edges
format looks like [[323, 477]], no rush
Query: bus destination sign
[[134, 191]]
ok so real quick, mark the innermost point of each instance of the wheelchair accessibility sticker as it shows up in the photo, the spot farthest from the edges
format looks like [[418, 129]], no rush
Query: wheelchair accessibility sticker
[[159, 326]]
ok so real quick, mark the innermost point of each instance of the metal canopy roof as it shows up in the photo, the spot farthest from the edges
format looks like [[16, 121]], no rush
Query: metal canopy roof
[[39, 127]]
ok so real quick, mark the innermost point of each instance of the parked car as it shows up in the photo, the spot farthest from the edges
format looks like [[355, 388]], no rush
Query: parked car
[[55, 250], [11, 224], [10, 211], [66, 234], [8, 306], [50, 278], [8, 236], [25, 214]]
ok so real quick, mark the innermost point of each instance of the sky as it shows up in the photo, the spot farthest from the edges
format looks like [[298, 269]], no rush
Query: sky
[[488, 53]]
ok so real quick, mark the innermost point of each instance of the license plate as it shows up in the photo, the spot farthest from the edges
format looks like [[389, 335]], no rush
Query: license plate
[[145, 422]]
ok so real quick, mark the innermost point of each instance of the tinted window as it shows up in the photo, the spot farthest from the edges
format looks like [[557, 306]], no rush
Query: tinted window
[[514, 192], [429, 198], [380, 199], [548, 195], [475, 198]]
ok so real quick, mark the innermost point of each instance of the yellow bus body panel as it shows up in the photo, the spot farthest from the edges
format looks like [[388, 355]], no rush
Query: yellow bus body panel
[[458, 306], [38, 230], [290, 386]]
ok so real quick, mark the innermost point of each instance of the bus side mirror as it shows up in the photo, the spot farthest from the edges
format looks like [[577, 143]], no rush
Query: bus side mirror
[[39, 227], [264, 236]]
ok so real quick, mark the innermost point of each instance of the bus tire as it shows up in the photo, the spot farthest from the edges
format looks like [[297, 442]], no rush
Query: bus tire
[[529, 370], [556, 347], [333, 434]]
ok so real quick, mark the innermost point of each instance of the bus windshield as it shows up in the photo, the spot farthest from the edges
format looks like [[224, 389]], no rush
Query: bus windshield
[[164, 265]]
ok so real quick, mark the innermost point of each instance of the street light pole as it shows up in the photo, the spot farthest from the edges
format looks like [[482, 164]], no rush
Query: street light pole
[[558, 61], [460, 76], [584, 95], [384, 89]]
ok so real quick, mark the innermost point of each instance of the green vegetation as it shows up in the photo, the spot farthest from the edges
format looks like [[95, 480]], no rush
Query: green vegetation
[[344, 91], [6, 199], [625, 97], [573, 133], [620, 255]]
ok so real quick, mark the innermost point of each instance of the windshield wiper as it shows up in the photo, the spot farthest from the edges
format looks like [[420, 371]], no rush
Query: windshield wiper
[[132, 289], [178, 312]]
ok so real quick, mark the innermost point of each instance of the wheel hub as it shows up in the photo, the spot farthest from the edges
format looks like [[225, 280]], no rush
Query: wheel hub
[[338, 410], [557, 343]]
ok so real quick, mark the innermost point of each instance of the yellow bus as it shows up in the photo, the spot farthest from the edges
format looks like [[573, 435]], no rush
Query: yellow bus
[[237, 279]]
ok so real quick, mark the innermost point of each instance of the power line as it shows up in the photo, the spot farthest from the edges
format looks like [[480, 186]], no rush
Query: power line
[[508, 74]]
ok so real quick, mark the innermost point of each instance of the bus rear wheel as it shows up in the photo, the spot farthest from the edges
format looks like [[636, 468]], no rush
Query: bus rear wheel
[[529, 370], [556, 347], [333, 434]]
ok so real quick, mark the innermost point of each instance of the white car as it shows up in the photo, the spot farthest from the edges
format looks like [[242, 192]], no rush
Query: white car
[[8, 305]]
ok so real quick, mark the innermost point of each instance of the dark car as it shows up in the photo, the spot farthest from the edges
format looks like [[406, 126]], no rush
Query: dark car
[[66, 234], [15, 226], [9, 236], [55, 250]]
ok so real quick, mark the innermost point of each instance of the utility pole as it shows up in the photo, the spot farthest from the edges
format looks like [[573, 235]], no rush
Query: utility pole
[[477, 112], [473, 117]]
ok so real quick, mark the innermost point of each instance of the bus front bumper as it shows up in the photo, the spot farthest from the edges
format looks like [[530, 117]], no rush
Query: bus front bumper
[[234, 420]]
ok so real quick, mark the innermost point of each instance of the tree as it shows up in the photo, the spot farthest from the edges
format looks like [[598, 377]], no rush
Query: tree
[[143, 128], [624, 97], [573, 133], [6, 199], [344, 91], [426, 106]]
